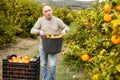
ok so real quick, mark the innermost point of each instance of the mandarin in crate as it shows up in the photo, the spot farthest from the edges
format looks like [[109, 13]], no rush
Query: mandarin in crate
[[14, 59], [25, 59]]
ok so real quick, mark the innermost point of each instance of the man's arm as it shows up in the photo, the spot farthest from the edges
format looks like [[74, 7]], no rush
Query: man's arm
[[36, 28], [63, 26]]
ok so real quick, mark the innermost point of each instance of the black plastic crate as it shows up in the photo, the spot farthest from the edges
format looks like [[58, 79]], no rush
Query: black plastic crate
[[52, 45], [21, 71]]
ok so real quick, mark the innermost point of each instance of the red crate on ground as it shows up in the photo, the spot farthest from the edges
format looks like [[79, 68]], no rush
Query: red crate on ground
[[21, 71]]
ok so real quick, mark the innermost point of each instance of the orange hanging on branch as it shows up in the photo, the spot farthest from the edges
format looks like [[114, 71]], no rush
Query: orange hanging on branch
[[107, 17], [106, 8], [117, 7], [85, 57], [115, 39]]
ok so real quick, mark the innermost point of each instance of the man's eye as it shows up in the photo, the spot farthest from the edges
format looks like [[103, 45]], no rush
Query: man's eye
[[47, 10]]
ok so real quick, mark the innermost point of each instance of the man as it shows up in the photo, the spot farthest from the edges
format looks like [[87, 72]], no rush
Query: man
[[48, 24]]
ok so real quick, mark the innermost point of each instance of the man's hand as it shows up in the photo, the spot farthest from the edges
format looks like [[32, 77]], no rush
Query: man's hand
[[41, 32], [63, 32]]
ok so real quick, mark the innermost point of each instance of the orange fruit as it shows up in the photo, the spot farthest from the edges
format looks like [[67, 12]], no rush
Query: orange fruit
[[26, 58], [60, 36], [25, 61], [47, 36], [107, 18], [14, 59], [117, 7], [115, 22], [85, 57], [10, 60], [106, 8], [52, 36], [115, 39], [95, 76]]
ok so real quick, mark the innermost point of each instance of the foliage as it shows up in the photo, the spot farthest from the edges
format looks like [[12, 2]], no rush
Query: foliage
[[7, 34], [17, 17], [65, 14], [92, 36]]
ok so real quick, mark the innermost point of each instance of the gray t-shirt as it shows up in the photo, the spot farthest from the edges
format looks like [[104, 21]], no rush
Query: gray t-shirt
[[52, 26]]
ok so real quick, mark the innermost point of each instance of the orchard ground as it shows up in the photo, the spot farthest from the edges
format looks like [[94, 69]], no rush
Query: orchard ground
[[30, 47]]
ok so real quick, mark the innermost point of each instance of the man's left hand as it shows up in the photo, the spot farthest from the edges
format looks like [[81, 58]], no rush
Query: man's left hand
[[63, 32]]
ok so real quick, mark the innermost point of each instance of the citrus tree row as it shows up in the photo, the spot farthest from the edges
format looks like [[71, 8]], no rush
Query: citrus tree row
[[95, 42]]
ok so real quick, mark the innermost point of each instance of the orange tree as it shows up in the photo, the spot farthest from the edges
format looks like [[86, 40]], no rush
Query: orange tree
[[94, 44], [7, 30], [24, 13], [16, 19]]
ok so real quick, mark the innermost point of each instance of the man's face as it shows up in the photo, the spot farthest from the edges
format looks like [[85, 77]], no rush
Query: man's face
[[47, 12]]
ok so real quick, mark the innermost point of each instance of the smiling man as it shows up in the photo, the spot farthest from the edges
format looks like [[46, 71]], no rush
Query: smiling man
[[46, 25]]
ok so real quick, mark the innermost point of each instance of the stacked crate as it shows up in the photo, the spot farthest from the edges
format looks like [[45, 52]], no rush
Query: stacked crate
[[21, 71]]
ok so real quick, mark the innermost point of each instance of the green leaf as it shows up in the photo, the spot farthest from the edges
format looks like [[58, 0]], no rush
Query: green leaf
[[118, 67]]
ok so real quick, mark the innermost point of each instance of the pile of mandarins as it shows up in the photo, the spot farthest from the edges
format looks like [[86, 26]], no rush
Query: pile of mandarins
[[18, 59], [54, 36]]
